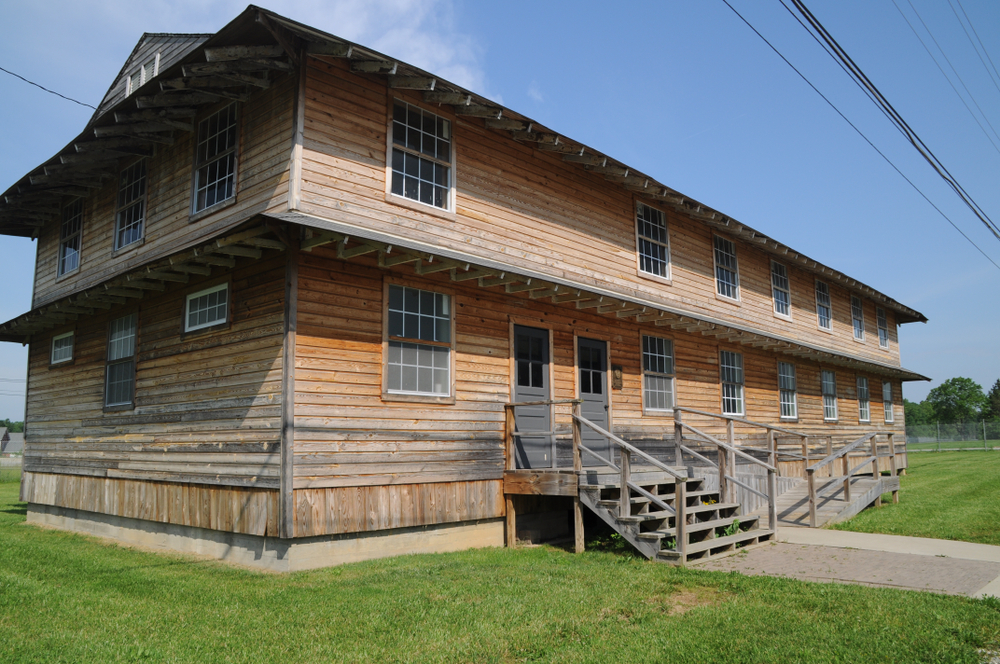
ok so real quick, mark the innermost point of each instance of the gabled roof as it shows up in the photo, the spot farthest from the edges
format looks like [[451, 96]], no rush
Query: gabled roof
[[15, 445], [28, 203]]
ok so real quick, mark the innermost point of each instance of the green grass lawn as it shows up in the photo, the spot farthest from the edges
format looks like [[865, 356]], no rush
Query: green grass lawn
[[68, 598], [951, 495]]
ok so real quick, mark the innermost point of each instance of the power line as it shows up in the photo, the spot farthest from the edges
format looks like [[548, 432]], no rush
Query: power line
[[861, 134], [973, 43], [897, 119], [12, 380], [46, 89]]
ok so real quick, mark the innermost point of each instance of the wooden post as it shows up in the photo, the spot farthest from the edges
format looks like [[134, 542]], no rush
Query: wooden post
[[624, 502], [805, 454], [678, 438], [984, 436], [876, 471], [509, 437], [286, 481], [772, 447], [731, 461], [578, 545], [892, 465], [511, 523], [847, 477], [772, 503], [811, 476], [680, 518], [722, 475]]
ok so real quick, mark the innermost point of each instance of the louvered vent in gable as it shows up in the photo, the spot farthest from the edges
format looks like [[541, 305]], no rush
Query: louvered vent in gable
[[142, 75]]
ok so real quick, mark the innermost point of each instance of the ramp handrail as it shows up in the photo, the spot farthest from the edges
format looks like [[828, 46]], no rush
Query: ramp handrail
[[848, 472]]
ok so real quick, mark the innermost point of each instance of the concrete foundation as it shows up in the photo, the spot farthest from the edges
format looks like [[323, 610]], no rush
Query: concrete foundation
[[270, 553]]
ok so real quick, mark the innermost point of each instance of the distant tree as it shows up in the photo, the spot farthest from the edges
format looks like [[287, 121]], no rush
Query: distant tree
[[918, 413], [957, 400], [992, 410], [13, 427]]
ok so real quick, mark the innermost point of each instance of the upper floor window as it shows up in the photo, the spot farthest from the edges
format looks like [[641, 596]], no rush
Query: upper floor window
[[657, 373], [419, 342], [731, 371], [883, 328], [824, 314], [864, 402], [62, 348], [207, 308], [120, 373], [69, 237], [780, 290], [887, 401], [131, 215], [215, 158], [858, 317], [828, 381], [726, 274], [786, 390], [654, 245], [421, 155]]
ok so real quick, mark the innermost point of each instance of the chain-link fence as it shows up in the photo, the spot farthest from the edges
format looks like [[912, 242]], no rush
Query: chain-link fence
[[10, 468], [980, 435]]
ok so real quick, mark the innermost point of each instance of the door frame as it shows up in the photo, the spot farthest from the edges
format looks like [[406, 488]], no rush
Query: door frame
[[538, 324], [607, 374]]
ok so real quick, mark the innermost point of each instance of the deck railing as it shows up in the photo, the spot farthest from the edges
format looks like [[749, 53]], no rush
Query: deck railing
[[844, 454]]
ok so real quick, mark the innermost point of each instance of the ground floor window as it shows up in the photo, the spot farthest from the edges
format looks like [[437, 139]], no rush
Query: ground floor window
[[419, 342], [864, 403], [731, 371], [828, 382], [120, 380], [657, 373], [786, 389], [62, 348], [206, 308], [887, 401]]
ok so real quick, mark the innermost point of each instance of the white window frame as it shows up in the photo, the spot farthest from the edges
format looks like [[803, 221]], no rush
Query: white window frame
[[71, 213], [736, 387], [864, 400], [139, 202], [883, 328], [72, 348], [718, 252], [448, 164], [122, 360], [777, 288], [787, 391], [824, 292], [201, 136], [202, 293], [858, 317], [139, 78], [889, 414], [640, 238], [390, 340], [829, 396], [648, 373]]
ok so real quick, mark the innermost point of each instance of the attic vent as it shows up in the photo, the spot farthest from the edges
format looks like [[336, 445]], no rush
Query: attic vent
[[143, 75]]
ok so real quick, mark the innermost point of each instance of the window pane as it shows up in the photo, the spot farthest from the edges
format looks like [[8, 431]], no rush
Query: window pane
[[727, 281], [418, 368], [215, 177], [418, 132]]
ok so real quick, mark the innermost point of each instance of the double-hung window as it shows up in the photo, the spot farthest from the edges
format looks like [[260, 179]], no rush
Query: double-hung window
[[421, 155], [864, 402], [786, 391], [858, 317], [824, 314], [887, 401], [69, 237], [206, 308], [780, 290], [731, 373], [131, 214], [215, 158], [62, 348], [828, 383], [419, 342], [654, 245], [657, 373], [120, 379], [727, 278], [883, 328]]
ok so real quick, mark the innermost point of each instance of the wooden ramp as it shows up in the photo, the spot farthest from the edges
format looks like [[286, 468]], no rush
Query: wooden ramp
[[793, 505]]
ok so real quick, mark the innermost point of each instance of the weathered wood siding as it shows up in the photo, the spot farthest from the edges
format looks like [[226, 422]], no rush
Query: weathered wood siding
[[207, 403], [232, 509], [531, 209], [262, 185]]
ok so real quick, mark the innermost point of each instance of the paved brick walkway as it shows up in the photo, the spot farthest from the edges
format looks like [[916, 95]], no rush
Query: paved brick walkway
[[954, 568]]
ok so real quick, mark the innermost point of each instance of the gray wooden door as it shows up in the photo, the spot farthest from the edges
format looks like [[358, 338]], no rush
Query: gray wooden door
[[531, 383], [593, 360]]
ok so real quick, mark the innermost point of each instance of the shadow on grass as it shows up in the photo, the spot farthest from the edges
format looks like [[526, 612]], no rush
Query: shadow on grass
[[20, 511]]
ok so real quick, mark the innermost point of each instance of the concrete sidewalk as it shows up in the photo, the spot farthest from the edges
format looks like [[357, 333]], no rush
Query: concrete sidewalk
[[915, 563]]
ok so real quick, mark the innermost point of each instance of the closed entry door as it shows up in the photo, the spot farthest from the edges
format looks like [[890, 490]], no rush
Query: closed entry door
[[593, 361], [531, 383]]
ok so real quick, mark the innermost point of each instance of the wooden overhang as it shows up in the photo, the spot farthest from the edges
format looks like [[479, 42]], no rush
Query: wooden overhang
[[247, 242], [257, 44], [391, 250]]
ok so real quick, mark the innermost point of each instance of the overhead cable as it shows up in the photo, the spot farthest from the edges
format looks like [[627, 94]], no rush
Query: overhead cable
[[51, 92]]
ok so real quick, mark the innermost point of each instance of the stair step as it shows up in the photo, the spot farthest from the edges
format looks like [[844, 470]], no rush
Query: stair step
[[718, 542], [698, 527], [614, 502]]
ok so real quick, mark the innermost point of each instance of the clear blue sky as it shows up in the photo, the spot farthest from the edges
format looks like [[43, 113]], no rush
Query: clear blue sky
[[683, 91]]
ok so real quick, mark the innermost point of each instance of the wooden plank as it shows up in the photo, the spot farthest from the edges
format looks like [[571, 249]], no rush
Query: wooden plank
[[540, 483], [286, 519]]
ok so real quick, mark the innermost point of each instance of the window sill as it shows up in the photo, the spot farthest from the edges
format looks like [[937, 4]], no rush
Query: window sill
[[860, 341], [201, 331], [119, 408], [728, 300], [834, 421], [828, 330], [787, 318], [209, 211], [65, 363], [648, 412], [788, 419], [67, 275], [420, 207], [418, 398], [666, 281], [115, 253]]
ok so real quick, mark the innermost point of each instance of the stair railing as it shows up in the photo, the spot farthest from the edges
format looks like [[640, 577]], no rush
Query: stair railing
[[844, 454]]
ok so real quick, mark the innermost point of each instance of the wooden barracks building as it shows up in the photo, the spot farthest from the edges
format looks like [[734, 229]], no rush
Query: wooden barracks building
[[286, 287]]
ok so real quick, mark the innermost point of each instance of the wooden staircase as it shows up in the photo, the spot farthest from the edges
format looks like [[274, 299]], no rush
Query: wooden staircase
[[711, 527]]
